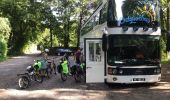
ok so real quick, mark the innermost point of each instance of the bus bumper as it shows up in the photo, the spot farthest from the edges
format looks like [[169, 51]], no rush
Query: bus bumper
[[133, 79]]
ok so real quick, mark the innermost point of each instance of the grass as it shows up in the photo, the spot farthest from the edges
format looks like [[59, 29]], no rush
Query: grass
[[2, 58]]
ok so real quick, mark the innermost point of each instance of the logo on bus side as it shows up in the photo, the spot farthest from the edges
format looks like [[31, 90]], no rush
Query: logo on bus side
[[132, 20]]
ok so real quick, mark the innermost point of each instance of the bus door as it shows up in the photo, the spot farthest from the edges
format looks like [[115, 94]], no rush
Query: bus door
[[94, 61]]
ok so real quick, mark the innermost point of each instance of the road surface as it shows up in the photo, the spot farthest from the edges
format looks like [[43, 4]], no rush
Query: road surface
[[55, 89]]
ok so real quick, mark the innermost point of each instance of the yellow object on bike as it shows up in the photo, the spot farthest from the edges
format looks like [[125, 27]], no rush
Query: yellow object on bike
[[37, 66], [82, 65], [65, 67]]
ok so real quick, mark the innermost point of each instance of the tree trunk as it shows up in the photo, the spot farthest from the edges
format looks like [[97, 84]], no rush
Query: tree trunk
[[168, 29], [66, 34], [51, 38], [79, 29], [168, 19], [162, 19]]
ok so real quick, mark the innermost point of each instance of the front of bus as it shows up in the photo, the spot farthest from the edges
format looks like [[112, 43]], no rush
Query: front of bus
[[133, 51]]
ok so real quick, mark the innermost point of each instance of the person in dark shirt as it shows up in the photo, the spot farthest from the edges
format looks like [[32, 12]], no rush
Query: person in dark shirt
[[77, 56]]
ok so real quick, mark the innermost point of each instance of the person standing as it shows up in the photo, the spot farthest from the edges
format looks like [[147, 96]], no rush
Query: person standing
[[77, 56]]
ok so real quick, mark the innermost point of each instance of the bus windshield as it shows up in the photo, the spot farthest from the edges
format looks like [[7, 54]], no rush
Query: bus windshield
[[133, 50], [133, 13]]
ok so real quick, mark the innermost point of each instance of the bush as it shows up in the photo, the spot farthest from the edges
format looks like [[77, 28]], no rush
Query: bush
[[163, 48], [3, 50]]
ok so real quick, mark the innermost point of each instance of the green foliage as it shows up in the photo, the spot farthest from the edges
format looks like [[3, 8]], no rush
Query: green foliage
[[163, 48], [4, 36], [166, 61], [29, 48], [3, 50], [5, 29], [30, 21]]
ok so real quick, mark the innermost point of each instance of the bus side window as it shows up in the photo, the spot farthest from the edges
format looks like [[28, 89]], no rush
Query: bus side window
[[91, 51], [96, 19], [98, 52], [103, 14], [95, 52], [87, 28]]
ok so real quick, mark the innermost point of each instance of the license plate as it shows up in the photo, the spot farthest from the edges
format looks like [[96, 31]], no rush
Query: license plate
[[138, 79]]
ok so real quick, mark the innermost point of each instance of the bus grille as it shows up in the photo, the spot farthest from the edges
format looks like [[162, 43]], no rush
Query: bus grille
[[137, 71]]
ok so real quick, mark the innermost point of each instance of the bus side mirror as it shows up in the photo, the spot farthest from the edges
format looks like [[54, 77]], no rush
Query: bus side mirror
[[168, 42], [104, 42]]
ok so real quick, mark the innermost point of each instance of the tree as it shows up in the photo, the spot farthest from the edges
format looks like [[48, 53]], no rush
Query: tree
[[26, 19], [165, 5], [5, 30], [84, 10]]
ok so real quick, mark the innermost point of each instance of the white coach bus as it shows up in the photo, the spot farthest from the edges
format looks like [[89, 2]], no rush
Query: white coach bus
[[121, 42]]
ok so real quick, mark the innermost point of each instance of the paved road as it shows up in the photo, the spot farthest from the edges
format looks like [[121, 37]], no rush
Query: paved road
[[55, 89]]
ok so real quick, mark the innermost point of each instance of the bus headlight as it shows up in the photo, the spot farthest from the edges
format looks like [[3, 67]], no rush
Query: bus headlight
[[120, 71], [158, 71], [110, 70], [155, 71], [114, 71]]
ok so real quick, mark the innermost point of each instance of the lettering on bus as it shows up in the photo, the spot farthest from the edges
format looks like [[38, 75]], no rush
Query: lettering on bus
[[134, 19]]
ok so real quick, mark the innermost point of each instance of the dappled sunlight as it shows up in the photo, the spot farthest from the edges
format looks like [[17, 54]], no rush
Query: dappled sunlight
[[82, 94], [168, 72], [122, 91], [73, 94], [20, 57], [162, 86]]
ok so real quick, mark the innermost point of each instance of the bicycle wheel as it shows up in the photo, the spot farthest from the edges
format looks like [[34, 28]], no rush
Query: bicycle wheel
[[38, 78], [77, 76], [63, 76], [54, 68], [23, 82]]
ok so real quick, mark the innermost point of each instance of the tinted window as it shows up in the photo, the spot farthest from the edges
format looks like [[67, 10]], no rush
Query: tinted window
[[124, 48], [103, 14], [88, 27], [95, 52], [96, 19]]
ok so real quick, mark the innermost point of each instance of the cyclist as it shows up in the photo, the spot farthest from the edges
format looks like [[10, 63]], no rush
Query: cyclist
[[77, 56], [79, 60], [40, 65], [44, 54]]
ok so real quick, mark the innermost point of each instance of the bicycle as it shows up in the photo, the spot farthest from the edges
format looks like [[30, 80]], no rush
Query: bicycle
[[51, 65], [78, 72], [25, 79], [63, 69]]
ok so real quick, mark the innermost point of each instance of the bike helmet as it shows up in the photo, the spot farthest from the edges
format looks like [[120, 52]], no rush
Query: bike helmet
[[29, 69], [46, 50]]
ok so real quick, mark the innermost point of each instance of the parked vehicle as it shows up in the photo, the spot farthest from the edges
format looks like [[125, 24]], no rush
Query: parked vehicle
[[62, 51], [25, 79], [35, 72]]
